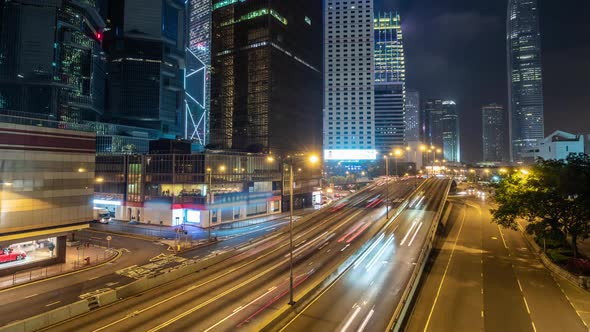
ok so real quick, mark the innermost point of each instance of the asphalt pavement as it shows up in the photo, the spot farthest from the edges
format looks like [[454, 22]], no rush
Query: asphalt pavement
[[484, 278], [248, 287], [366, 296]]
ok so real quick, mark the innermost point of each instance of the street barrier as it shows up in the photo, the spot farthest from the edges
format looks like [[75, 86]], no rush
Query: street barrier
[[47, 318], [402, 307]]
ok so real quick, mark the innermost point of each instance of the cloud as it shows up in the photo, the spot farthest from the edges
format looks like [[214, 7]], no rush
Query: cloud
[[465, 26]]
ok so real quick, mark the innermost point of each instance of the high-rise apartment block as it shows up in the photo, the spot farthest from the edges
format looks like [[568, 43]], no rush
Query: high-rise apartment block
[[493, 133], [266, 82], [525, 84], [349, 87], [390, 88]]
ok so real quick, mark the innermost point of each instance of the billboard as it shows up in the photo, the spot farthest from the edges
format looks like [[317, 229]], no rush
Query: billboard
[[350, 154]]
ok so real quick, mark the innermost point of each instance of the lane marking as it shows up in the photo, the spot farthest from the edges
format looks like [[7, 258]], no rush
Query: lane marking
[[28, 297], [415, 233], [502, 235], [52, 303], [408, 233], [445, 273]]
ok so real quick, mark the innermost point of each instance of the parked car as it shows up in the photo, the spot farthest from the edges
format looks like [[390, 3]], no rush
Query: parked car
[[9, 255]]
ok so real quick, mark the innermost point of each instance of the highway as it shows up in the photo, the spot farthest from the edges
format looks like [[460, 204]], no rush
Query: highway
[[365, 297], [247, 287], [46, 294], [487, 279]]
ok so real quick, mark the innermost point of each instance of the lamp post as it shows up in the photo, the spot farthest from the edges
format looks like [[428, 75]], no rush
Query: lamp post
[[386, 186], [210, 192], [396, 153], [312, 159]]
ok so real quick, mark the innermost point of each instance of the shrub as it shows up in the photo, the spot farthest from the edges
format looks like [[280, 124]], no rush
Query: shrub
[[558, 256]]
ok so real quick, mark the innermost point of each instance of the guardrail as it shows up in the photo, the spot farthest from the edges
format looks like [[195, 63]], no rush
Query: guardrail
[[408, 294], [322, 284], [134, 288]]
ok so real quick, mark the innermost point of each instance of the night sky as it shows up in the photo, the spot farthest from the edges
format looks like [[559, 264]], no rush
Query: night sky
[[456, 49]]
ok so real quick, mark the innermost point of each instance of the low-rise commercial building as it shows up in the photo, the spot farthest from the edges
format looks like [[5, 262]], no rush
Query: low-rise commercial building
[[205, 189], [46, 188], [558, 146]]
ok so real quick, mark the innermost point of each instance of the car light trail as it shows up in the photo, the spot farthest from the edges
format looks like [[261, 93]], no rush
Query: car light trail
[[415, 233], [408, 233], [368, 251], [367, 319], [379, 253], [362, 229], [351, 231], [351, 319]]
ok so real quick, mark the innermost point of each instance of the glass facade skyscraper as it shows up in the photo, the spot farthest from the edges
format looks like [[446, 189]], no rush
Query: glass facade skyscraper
[[390, 91], [146, 46], [51, 64], [412, 116], [525, 85], [451, 134], [266, 83], [493, 132]]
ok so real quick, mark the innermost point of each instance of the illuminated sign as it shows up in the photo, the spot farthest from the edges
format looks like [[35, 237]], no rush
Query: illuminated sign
[[106, 202], [350, 154]]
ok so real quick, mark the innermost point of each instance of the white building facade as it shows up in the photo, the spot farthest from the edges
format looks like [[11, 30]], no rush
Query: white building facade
[[349, 116]]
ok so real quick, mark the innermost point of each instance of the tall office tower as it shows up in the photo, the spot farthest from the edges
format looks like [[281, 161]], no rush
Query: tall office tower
[[146, 46], [493, 132], [431, 122], [349, 117], [412, 116], [389, 83], [525, 85], [266, 82], [451, 134], [51, 64], [197, 83]]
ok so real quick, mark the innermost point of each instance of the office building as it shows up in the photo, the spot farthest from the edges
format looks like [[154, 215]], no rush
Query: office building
[[203, 189], [266, 82], [525, 84], [51, 62], [493, 133], [389, 83], [451, 134], [197, 82], [349, 115], [46, 183], [431, 122], [145, 42], [412, 118]]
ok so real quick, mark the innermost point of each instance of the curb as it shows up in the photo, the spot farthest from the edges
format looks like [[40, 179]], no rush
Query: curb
[[60, 275], [580, 281]]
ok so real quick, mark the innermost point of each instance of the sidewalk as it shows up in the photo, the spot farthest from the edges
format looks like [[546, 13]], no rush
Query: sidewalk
[[155, 231], [74, 261]]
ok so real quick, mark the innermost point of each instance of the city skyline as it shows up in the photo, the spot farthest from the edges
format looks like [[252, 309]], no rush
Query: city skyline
[[458, 64]]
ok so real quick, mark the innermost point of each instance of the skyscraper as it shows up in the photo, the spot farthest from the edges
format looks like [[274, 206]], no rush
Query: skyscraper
[[412, 116], [389, 83], [51, 64], [266, 83], [493, 132], [349, 116], [525, 86], [146, 46], [431, 122], [197, 82], [451, 135]]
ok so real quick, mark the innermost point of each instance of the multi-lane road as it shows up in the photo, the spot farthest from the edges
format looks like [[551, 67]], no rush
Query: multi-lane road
[[248, 287], [485, 278], [365, 297]]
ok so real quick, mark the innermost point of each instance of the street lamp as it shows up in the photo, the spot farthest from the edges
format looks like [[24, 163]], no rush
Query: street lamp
[[210, 192], [396, 154], [386, 186], [312, 159]]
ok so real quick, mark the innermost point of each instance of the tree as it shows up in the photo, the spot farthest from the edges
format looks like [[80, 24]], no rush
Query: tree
[[554, 197]]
